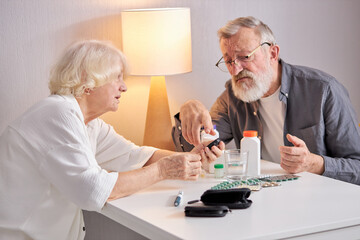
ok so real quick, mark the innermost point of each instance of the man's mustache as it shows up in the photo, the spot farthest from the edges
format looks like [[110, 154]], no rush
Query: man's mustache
[[244, 73]]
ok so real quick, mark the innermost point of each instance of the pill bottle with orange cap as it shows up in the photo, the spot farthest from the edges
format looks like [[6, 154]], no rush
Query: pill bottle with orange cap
[[251, 143]]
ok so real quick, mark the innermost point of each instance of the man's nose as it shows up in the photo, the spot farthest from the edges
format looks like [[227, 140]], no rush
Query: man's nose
[[235, 68]]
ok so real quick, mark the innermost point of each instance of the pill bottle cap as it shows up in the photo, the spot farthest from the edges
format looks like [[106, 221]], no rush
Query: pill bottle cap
[[219, 165], [250, 133]]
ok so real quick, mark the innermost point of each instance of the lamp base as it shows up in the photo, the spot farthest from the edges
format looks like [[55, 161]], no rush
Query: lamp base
[[158, 120]]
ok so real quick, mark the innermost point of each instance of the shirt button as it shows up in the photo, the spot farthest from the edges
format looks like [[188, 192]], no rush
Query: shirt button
[[254, 113], [84, 229]]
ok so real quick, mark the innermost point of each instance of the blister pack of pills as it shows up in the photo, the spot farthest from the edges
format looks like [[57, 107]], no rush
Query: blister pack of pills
[[255, 184], [252, 184], [279, 178]]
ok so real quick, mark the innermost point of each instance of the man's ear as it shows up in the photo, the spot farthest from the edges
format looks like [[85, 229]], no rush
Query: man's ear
[[274, 53]]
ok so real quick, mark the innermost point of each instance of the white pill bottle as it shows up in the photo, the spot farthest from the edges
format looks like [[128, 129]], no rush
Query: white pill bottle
[[251, 143], [205, 137]]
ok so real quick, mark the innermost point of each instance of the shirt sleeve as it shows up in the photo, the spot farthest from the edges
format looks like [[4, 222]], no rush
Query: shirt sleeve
[[180, 143], [114, 152], [342, 136], [69, 161], [220, 116], [75, 173]]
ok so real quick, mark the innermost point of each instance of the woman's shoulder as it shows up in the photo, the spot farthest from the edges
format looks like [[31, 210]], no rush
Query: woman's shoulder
[[60, 102], [47, 123], [52, 109], [60, 105]]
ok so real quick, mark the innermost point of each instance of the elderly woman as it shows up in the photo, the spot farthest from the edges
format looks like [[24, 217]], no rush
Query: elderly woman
[[59, 157]]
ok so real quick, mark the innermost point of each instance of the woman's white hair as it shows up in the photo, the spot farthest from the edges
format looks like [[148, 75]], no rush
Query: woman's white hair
[[86, 64], [232, 27]]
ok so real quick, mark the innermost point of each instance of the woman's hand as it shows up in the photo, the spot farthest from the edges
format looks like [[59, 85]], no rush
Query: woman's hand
[[162, 165], [208, 155], [184, 166]]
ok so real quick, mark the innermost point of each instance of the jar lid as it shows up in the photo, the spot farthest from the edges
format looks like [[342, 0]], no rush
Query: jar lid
[[250, 133], [219, 165]]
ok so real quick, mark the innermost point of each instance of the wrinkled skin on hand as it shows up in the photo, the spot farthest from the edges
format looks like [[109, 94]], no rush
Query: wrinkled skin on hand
[[209, 155], [183, 166], [298, 158], [187, 166], [193, 116]]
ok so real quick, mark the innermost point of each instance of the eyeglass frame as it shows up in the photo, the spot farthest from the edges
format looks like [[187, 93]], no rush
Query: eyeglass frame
[[242, 58]]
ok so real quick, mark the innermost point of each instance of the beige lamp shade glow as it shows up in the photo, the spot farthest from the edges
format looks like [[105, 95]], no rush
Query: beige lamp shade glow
[[157, 42]]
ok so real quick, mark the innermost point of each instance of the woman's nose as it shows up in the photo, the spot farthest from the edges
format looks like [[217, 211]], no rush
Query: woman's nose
[[123, 87]]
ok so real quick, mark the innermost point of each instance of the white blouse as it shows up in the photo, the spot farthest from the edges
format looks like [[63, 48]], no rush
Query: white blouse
[[52, 165]]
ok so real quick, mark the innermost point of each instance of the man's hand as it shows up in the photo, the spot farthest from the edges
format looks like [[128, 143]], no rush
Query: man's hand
[[208, 155], [299, 159], [193, 116], [184, 166]]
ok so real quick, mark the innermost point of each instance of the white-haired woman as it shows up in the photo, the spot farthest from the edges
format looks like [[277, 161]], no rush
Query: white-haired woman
[[59, 157]]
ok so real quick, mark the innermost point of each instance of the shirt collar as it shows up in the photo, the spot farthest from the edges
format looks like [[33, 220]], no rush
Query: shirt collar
[[72, 99], [285, 81]]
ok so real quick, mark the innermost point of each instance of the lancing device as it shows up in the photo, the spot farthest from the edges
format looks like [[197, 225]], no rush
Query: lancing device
[[178, 198]]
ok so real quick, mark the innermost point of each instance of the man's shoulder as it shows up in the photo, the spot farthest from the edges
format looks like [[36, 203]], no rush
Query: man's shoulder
[[306, 73], [309, 80]]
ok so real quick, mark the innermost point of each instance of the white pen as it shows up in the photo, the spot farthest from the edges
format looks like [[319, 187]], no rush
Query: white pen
[[178, 198]]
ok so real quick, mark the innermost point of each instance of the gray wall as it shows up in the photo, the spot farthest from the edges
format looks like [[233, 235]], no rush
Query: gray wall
[[323, 34]]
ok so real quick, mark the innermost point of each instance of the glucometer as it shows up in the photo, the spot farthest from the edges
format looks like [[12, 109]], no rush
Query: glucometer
[[214, 143]]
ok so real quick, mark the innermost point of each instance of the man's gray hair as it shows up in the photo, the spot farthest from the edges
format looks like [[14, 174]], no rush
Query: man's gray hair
[[232, 27]]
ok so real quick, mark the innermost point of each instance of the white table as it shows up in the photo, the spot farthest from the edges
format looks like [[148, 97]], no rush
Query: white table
[[313, 205]]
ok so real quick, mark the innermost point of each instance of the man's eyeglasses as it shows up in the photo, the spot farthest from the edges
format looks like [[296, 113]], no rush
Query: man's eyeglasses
[[224, 65]]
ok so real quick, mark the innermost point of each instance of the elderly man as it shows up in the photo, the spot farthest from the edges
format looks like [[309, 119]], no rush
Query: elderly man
[[304, 116]]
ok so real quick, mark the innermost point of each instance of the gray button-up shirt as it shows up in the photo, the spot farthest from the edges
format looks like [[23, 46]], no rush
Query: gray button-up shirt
[[318, 111]]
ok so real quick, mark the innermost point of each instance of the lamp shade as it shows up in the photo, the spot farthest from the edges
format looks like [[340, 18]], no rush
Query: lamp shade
[[157, 42]]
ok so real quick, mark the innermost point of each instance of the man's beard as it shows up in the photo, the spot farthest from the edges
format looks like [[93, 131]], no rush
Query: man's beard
[[253, 89]]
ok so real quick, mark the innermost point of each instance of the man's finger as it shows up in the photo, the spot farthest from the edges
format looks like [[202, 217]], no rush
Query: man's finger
[[208, 126], [289, 150], [297, 142], [290, 160], [289, 169], [195, 134], [197, 148]]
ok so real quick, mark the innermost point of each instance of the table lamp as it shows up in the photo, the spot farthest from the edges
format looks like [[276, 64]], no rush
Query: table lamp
[[157, 42]]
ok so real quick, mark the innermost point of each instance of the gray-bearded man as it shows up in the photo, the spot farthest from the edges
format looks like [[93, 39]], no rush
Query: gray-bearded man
[[304, 116]]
